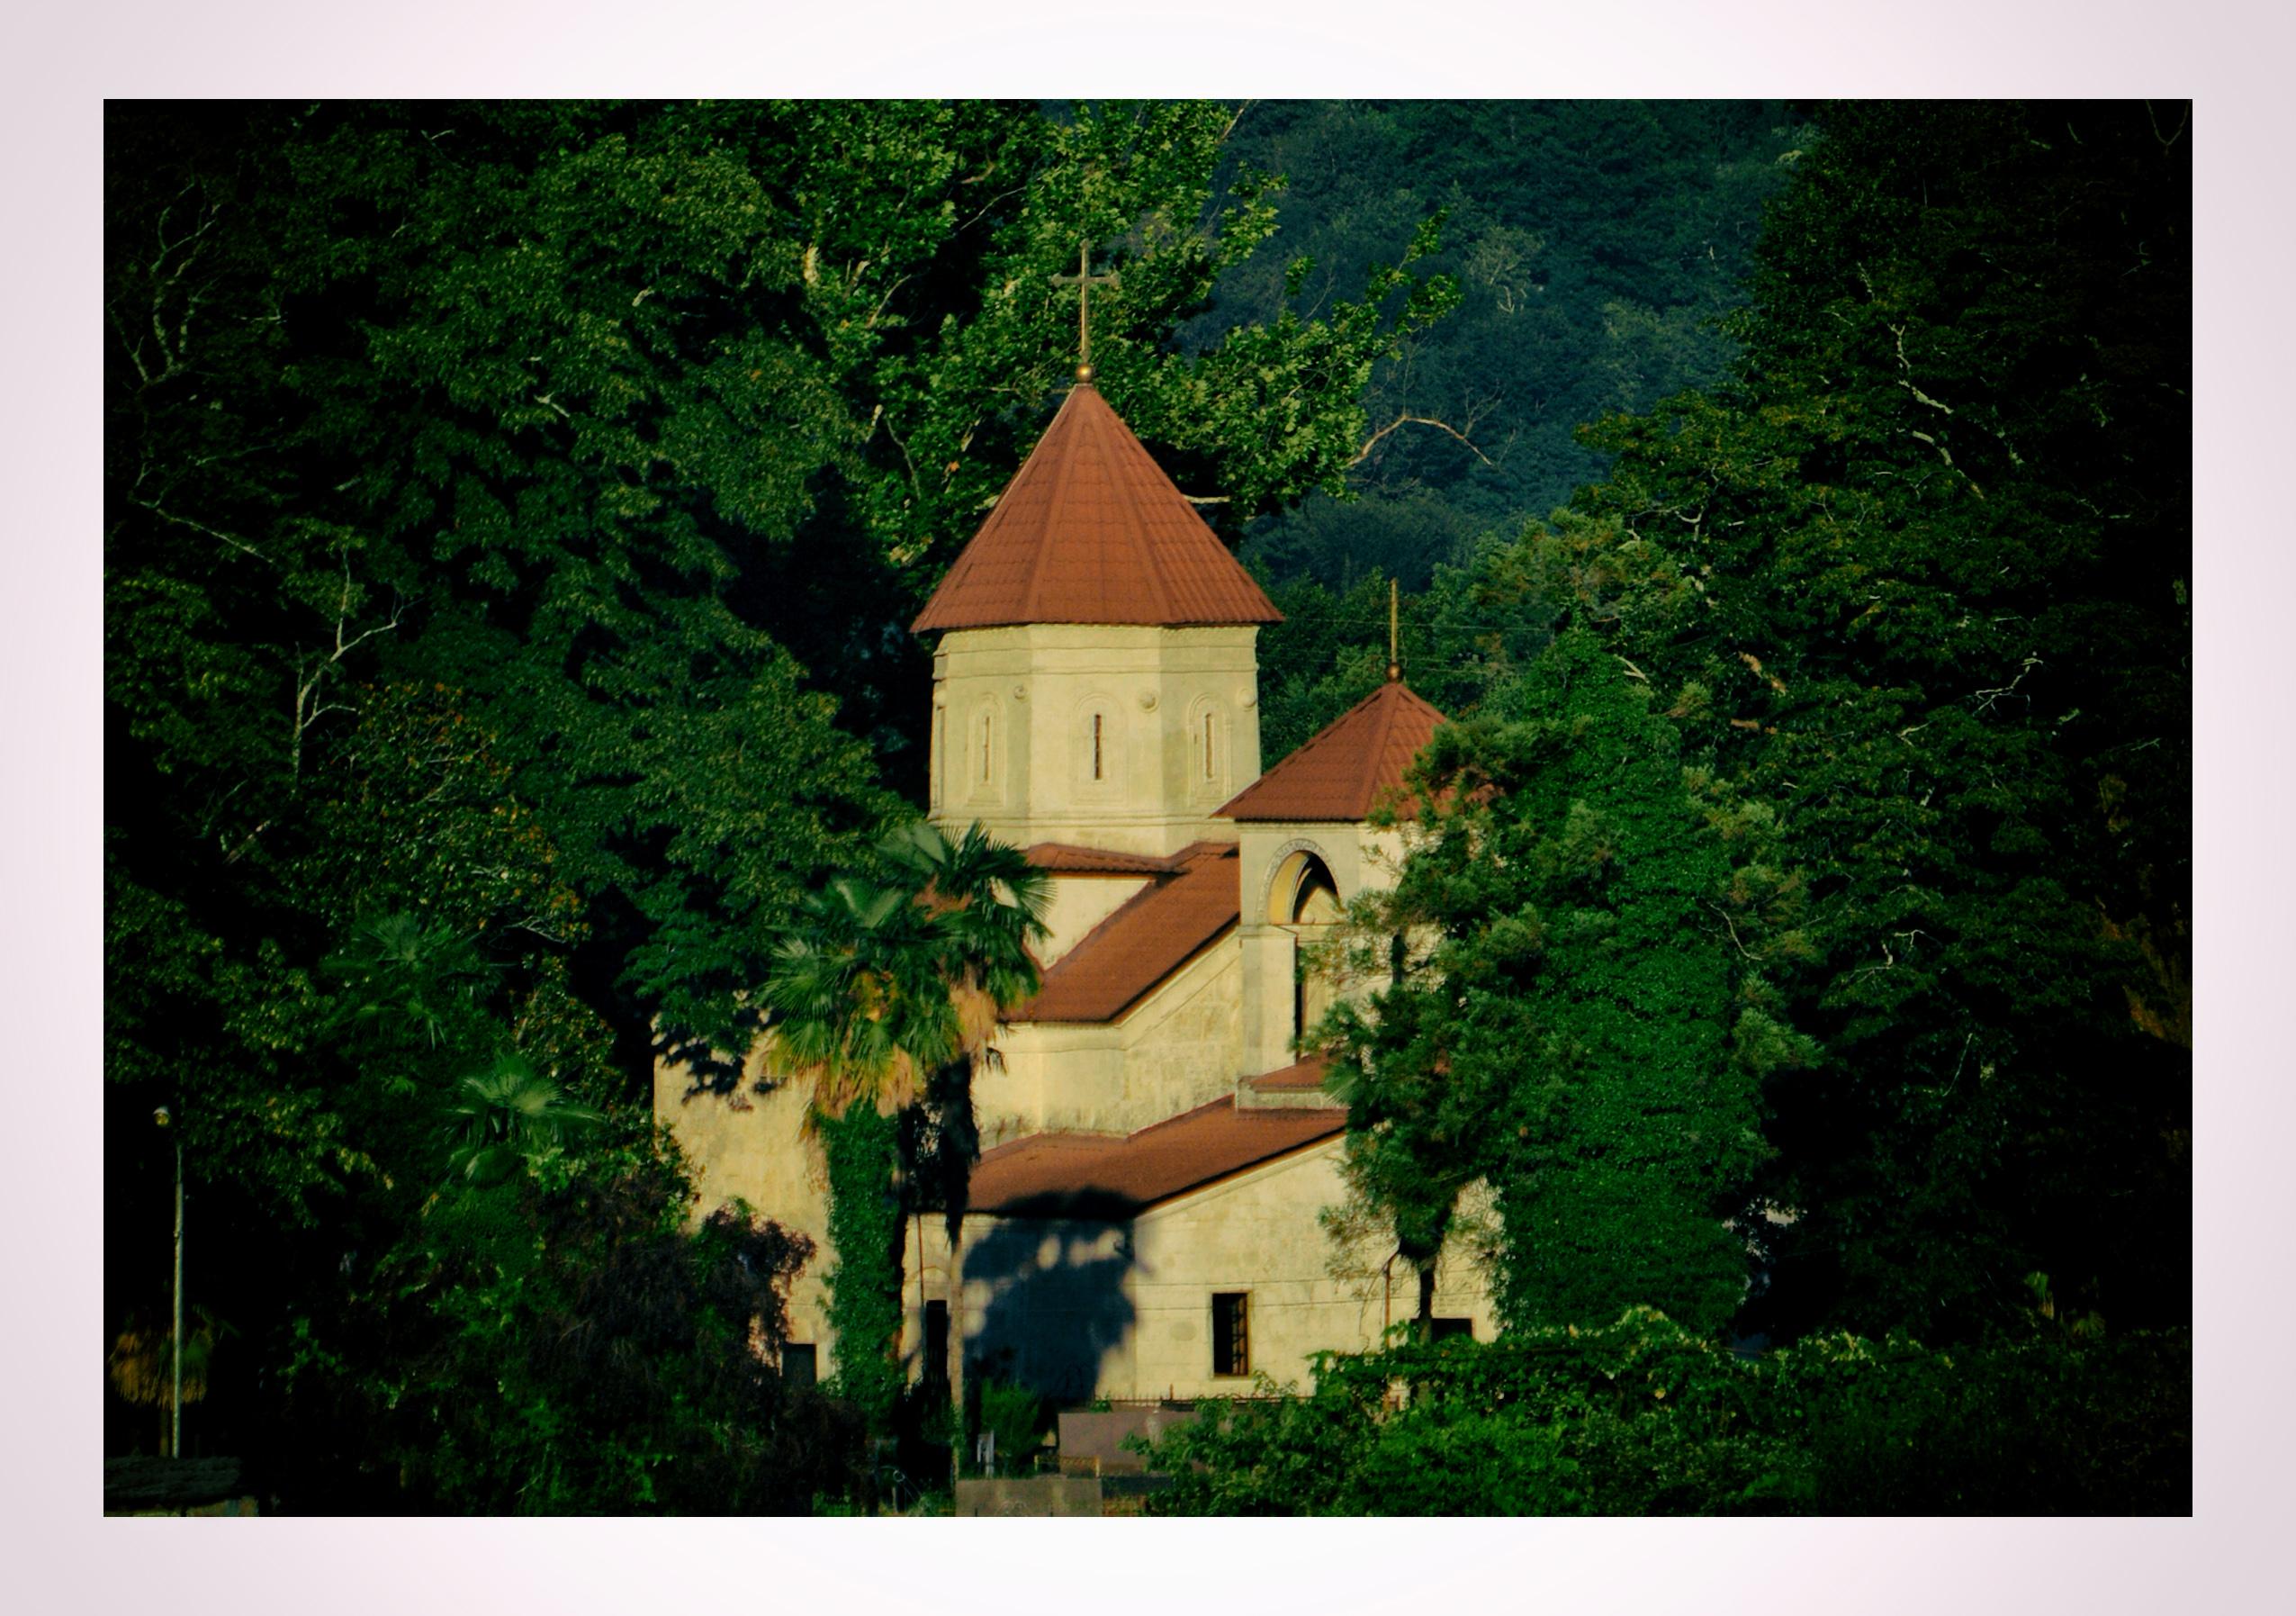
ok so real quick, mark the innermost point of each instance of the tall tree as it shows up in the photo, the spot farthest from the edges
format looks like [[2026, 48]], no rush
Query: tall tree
[[1917, 576], [1570, 1012]]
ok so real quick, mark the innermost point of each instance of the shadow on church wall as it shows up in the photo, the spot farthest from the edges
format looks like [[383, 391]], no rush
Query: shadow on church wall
[[1057, 1304]]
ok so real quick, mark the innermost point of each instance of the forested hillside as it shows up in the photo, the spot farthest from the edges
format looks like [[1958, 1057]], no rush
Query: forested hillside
[[1595, 245]]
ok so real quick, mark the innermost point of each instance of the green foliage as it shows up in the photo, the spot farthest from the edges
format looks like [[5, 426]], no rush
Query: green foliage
[[560, 1343], [1642, 1417], [508, 1114], [875, 989], [1558, 945], [865, 1232], [1464, 641], [1014, 1414], [1916, 577]]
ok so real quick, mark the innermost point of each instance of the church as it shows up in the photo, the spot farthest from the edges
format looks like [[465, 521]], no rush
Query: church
[[1146, 1214]]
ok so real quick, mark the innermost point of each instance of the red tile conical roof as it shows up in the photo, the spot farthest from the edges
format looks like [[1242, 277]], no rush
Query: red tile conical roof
[[1091, 530], [1339, 773]]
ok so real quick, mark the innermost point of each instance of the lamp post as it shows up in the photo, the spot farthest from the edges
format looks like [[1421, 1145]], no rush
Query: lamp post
[[166, 1119]]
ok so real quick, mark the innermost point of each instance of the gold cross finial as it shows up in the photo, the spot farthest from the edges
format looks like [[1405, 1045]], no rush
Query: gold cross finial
[[1394, 661], [1084, 281]]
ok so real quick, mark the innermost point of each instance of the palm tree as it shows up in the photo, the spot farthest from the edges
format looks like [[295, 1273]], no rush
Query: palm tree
[[507, 1115], [988, 902], [892, 994]]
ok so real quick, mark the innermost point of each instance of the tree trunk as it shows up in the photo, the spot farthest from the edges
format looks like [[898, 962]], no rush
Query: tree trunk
[[957, 1342], [1427, 1300]]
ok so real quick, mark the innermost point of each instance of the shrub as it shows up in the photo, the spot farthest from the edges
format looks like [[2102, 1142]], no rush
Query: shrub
[[1645, 1418]]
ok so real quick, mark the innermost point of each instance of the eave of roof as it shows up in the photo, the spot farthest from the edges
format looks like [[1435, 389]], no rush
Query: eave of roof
[[1342, 771], [1114, 1177], [1091, 530], [1150, 935], [1066, 858], [1300, 1077]]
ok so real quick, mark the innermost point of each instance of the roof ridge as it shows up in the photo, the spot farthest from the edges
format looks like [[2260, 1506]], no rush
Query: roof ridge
[[1376, 754], [1201, 906], [1127, 441], [1338, 774], [1180, 1116], [1055, 497]]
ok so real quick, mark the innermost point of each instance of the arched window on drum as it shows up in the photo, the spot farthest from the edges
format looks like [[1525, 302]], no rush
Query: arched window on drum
[[1304, 899]]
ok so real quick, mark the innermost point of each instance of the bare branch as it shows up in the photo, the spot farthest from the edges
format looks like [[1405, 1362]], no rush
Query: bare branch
[[1372, 442], [309, 708], [183, 521], [1740, 945], [2171, 141]]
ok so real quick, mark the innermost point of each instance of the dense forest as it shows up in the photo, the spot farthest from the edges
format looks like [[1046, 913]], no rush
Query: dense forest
[[513, 518]]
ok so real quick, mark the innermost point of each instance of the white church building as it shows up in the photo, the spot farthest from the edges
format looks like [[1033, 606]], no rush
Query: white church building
[[1146, 1215]]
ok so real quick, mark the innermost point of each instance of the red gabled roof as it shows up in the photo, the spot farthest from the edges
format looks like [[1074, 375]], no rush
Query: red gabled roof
[[1091, 530], [1150, 935], [1348, 765], [1112, 1176]]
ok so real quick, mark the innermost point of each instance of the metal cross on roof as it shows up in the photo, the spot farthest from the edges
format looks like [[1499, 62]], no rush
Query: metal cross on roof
[[1084, 281]]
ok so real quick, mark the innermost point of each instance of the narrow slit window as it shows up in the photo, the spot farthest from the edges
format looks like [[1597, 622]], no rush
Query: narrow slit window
[[940, 759], [984, 723], [1207, 745], [1232, 1340], [1095, 745]]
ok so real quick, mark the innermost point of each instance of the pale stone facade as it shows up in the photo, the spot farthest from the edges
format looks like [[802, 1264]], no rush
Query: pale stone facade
[[1125, 736], [1164, 1158], [1122, 1308]]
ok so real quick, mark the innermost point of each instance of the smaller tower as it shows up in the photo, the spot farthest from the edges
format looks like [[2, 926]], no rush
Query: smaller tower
[[1307, 850]]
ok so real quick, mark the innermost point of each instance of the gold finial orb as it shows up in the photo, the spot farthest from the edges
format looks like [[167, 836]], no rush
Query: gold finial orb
[[1084, 373]]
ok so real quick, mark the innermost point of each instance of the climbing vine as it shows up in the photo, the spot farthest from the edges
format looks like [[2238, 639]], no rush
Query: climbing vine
[[864, 1286]]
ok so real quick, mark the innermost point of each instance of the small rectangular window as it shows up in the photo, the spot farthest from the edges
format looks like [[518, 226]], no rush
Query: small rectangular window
[[936, 1343], [1095, 745], [799, 1367], [1231, 1339], [1447, 1328]]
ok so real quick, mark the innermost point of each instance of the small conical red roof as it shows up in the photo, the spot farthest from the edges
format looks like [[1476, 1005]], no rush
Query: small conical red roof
[[1348, 764], [1091, 530]]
